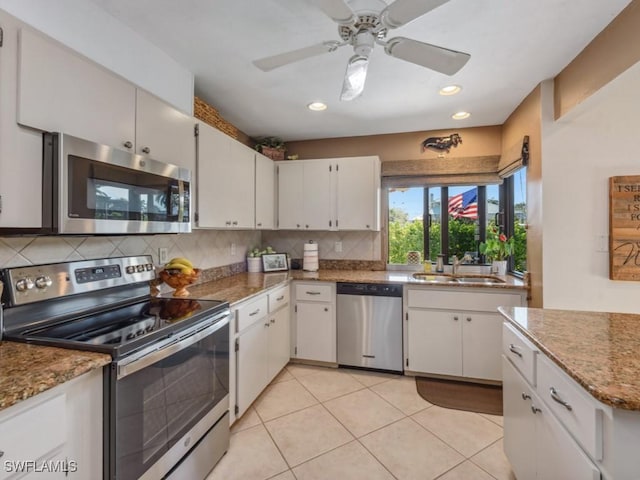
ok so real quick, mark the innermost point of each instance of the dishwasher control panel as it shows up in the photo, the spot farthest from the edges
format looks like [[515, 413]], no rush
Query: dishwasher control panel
[[372, 289]]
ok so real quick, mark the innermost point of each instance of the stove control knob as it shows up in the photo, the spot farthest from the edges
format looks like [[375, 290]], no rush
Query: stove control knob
[[24, 284], [43, 282], [131, 269]]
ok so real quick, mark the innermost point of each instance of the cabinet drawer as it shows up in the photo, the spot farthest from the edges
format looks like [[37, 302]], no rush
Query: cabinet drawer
[[520, 351], [249, 312], [479, 302], [316, 293], [278, 298], [575, 409], [34, 432]]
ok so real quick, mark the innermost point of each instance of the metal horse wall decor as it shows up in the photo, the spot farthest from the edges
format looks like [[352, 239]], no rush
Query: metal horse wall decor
[[442, 144]]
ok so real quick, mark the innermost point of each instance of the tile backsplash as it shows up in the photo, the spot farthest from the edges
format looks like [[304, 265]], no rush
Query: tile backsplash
[[354, 245], [205, 248]]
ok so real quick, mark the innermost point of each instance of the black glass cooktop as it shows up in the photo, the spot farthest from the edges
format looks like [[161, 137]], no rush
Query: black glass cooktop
[[125, 328]]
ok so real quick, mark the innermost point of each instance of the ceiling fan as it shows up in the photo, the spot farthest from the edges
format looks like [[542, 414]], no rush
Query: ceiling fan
[[362, 24]]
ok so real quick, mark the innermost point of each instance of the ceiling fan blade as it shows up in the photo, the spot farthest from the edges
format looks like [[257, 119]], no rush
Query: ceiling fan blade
[[337, 10], [269, 63], [436, 58], [402, 12]]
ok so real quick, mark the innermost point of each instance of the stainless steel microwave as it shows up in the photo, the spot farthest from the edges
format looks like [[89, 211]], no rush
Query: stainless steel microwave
[[96, 189]]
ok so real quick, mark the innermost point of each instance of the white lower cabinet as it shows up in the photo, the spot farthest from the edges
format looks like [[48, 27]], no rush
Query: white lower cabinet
[[535, 442], [262, 344], [60, 430], [456, 333], [315, 322]]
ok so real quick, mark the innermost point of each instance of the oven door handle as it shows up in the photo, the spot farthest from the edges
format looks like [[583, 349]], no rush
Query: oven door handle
[[127, 368]]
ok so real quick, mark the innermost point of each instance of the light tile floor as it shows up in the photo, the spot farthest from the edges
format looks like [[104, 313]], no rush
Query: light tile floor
[[315, 423]]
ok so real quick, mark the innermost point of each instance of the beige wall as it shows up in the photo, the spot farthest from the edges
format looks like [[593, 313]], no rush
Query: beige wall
[[526, 120], [612, 52], [477, 142]]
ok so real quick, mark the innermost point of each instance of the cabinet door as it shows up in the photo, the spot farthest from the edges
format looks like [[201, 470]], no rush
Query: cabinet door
[[212, 186], [315, 331], [61, 91], [239, 173], [265, 192], [20, 147], [318, 197], [278, 341], [290, 196], [251, 377], [435, 342], [164, 133], [482, 346], [519, 424], [358, 193]]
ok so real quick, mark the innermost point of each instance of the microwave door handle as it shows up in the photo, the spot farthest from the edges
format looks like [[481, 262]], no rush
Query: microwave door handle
[[127, 369], [180, 200]]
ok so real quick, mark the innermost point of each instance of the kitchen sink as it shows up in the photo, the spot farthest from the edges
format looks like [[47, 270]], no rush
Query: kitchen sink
[[449, 278]]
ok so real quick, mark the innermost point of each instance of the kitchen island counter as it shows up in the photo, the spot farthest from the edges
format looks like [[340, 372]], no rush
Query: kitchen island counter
[[26, 370], [600, 351]]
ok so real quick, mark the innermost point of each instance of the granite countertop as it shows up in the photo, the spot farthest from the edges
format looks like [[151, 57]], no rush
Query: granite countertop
[[26, 370], [243, 286], [600, 351]]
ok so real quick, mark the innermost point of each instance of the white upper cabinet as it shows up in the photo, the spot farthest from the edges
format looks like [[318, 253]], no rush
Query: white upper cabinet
[[20, 147], [329, 194], [358, 193], [60, 91], [225, 189], [265, 192], [164, 133]]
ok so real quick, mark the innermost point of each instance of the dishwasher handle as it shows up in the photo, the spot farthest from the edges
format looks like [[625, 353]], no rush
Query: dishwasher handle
[[369, 289]]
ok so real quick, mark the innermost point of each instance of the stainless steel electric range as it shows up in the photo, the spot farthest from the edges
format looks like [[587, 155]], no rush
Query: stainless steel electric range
[[166, 389]]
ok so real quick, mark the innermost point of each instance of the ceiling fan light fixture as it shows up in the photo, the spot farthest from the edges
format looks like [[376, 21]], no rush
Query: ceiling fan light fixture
[[460, 115], [354, 78], [450, 90], [317, 106]]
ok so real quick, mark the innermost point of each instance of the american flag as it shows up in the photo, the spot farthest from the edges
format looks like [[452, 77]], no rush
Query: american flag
[[464, 205]]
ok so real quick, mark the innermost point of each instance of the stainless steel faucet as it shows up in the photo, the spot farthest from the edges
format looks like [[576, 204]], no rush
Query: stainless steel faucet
[[455, 265]]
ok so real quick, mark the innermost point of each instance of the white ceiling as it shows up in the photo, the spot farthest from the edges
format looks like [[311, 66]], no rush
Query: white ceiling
[[514, 44]]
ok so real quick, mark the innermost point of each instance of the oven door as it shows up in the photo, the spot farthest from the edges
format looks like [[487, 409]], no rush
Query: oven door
[[105, 190], [161, 404]]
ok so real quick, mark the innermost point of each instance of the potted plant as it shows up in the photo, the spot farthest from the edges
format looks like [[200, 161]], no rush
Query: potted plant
[[497, 249], [254, 259], [272, 147]]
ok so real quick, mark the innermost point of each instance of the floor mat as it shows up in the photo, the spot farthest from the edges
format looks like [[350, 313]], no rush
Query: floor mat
[[472, 397]]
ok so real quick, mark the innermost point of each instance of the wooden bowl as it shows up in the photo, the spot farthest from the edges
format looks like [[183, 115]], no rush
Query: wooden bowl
[[179, 281]]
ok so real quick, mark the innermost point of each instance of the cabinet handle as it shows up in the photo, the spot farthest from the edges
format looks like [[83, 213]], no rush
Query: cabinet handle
[[127, 144], [326, 309], [512, 349], [235, 223], [259, 224], [535, 409], [280, 298], [307, 226], [146, 150], [455, 318], [525, 396], [556, 398], [273, 320], [312, 293], [1, 453], [368, 226], [228, 222], [298, 225], [468, 319], [255, 312], [266, 324]]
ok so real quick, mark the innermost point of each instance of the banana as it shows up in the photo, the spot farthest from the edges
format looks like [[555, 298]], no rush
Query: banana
[[182, 261], [184, 269]]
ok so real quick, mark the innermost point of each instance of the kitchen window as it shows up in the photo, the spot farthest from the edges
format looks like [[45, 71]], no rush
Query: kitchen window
[[419, 220]]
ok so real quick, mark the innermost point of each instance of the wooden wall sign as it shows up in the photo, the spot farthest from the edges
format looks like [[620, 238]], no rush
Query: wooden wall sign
[[624, 228]]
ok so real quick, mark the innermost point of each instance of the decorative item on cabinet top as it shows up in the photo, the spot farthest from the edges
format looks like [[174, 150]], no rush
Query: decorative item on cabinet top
[[272, 147]]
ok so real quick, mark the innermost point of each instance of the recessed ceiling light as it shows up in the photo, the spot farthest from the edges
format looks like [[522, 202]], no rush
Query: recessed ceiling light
[[317, 106], [460, 115], [450, 90]]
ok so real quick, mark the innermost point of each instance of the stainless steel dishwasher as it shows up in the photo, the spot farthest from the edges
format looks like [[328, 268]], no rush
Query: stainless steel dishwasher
[[369, 320]]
